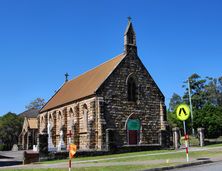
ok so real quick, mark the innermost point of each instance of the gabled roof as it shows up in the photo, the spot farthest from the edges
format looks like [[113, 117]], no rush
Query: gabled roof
[[33, 123], [84, 85], [29, 123], [30, 113]]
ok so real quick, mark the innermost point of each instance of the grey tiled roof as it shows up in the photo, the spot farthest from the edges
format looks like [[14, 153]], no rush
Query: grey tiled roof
[[30, 113]]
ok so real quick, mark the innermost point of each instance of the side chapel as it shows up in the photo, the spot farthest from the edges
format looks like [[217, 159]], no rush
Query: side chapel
[[28, 136], [113, 105]]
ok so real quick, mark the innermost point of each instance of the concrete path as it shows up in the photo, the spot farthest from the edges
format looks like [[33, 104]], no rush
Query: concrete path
[[216, 166]]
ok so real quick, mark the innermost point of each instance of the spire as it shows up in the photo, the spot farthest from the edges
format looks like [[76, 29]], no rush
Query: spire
[[129, 37]]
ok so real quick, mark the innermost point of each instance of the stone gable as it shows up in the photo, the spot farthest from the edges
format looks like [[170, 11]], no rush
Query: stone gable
[[118, 109]]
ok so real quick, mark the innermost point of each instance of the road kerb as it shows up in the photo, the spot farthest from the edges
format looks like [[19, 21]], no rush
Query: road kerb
[[180, 166]]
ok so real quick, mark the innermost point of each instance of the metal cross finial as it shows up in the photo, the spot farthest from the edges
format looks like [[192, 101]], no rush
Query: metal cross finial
[[129, 19], [66, 75]]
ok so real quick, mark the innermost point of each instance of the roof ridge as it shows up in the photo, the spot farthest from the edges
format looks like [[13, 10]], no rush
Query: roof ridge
[[41, 110], [83, 85], [95, 67]]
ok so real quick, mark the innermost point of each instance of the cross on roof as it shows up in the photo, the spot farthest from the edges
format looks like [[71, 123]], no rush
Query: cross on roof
[[66, 75], [129, 18]]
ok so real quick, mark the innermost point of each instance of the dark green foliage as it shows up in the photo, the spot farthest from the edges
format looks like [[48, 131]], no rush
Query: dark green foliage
[[10, 128], [206, 95], [172, 119], [2, 147], [210, 118], [171, 114]]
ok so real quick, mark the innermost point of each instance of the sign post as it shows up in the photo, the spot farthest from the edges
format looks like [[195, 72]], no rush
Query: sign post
[[72, 149], [72, 152], [183, 113]]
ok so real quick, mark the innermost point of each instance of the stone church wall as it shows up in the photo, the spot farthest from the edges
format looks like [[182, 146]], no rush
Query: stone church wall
[[108, 112], [147, 108], [71, 118]]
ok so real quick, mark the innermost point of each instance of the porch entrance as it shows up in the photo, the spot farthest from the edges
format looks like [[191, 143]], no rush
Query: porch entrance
[[133, 129]]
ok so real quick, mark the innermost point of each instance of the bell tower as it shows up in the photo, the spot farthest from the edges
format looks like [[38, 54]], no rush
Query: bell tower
[[129, 38]]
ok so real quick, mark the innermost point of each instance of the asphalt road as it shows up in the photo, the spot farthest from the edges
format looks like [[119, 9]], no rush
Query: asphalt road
[[10, 158], [206, 167]]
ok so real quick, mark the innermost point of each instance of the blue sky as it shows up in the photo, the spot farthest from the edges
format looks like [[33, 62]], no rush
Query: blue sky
[[42, 40]]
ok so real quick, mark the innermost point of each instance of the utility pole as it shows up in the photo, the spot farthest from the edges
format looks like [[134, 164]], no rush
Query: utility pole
[[191, 107]]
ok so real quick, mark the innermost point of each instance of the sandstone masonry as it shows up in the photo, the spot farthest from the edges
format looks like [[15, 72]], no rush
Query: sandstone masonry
[[127, 109]]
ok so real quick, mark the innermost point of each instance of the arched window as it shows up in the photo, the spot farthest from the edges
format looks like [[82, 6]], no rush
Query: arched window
[[42, 119], [70, 119], [131, 90], [85, 119], [60, 120]]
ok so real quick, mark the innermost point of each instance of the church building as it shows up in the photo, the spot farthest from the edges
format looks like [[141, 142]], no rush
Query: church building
[[114, 105], [28, 136]]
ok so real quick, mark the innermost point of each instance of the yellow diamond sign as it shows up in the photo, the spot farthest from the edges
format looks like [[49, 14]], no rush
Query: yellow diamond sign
[[183, 112], [72, 150]]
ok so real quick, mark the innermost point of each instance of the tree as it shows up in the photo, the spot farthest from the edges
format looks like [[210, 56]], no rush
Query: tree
[[38, 103], [206, 95], [172, 119], [210, 118], [171, 114], [197, 91], [212, 90], [174, 101], [10, 128], [220, 91]]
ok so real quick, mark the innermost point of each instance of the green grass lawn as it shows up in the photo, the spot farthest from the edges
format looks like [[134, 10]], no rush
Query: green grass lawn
[[109, 156], [173, 158], [180, 155], [137, 156], [214, 145]]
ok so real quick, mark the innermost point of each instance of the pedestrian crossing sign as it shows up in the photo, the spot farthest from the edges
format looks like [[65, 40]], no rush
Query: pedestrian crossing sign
[[183, 112]]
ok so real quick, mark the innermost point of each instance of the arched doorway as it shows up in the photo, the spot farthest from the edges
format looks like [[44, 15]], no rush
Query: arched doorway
[[133, 130]]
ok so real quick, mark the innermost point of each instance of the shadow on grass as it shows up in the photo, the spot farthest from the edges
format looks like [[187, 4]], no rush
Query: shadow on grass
[[9, 163], [4, 157]]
